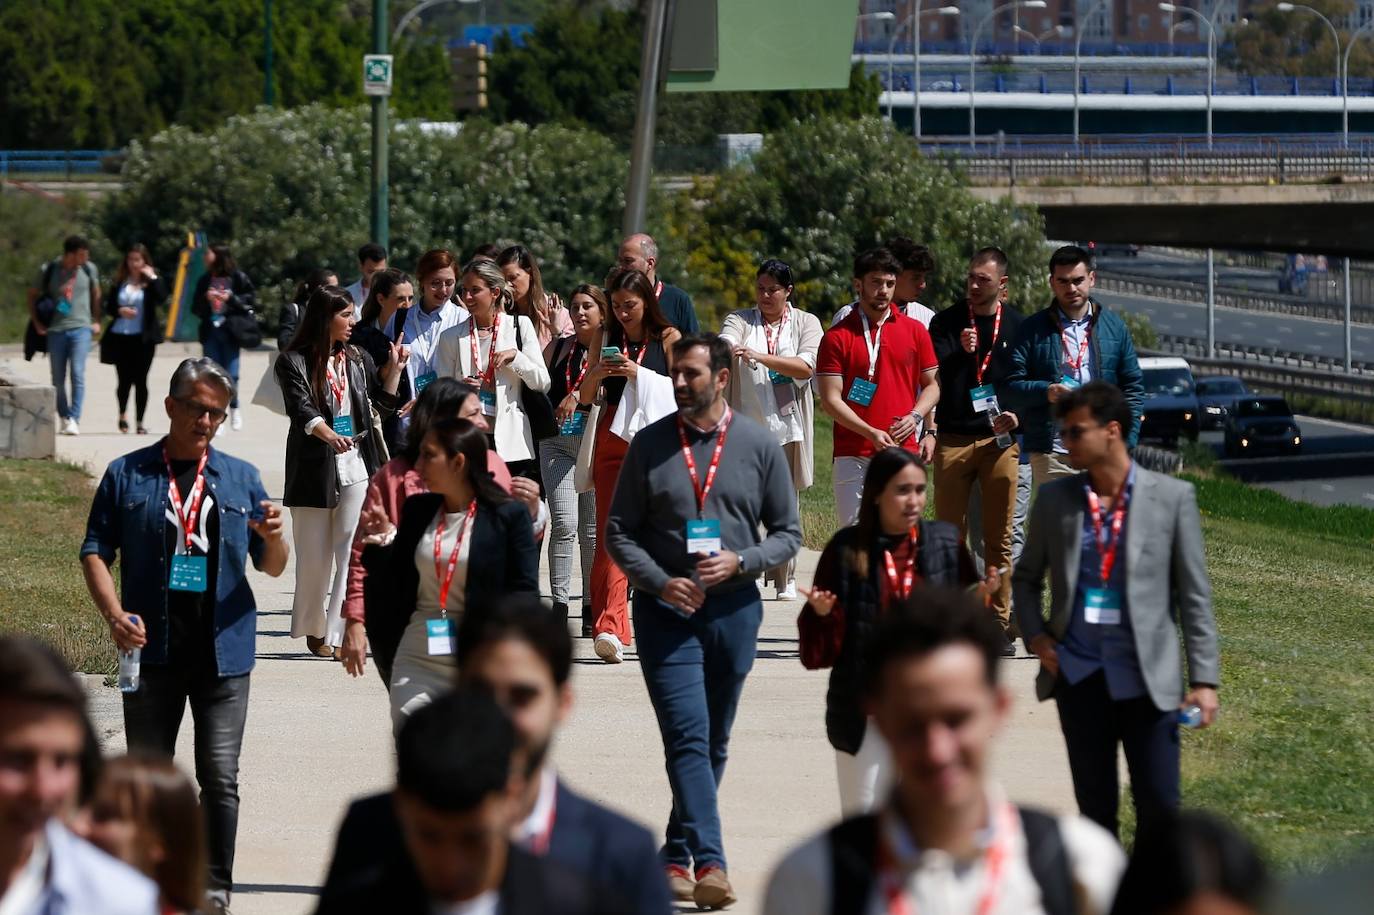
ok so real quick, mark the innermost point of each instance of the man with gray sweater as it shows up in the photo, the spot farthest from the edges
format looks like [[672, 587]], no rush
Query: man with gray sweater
[[684, 526]]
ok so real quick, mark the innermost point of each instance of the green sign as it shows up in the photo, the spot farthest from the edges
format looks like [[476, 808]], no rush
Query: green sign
[[761, 45], [376, 74]]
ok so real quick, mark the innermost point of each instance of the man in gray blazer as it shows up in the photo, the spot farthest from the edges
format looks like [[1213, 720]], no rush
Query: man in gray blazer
[[1123, 547]]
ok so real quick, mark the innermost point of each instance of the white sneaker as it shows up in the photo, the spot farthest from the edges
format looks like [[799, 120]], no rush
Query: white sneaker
[[789, 592], [608, 648], [236, 419], [69, 427]]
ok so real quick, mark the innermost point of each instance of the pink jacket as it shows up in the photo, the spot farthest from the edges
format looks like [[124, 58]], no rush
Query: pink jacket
[[395, 482]]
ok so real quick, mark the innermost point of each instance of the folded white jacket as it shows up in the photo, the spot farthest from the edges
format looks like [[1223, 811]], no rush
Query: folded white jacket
[[648, 398]]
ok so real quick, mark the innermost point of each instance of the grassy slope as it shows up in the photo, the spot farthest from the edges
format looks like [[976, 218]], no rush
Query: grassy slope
[[31, 232]]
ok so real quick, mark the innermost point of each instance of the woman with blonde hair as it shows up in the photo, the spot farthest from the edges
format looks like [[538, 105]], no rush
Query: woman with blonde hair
[[544, 309]]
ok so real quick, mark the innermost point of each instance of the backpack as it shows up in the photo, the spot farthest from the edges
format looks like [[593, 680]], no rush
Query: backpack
[[45, 306], [854, 847]]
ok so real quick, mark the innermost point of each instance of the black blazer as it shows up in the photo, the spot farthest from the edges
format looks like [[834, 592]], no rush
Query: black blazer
[[372, 872], [503, 538], [154, 296], [312, 476], [615, 854], [242, 299], [941, 559]]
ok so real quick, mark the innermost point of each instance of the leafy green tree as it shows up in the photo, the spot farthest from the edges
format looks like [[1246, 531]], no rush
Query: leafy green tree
[[1275, 43], [819, 192]]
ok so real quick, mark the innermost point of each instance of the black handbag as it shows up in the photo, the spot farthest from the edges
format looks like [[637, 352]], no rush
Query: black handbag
[[538, 407], [243, 328]]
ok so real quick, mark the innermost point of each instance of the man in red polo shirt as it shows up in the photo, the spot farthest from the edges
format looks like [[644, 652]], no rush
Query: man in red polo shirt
[[876, 372]]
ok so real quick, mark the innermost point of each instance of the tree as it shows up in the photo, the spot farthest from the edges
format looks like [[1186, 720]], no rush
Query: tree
[[1275, 43], [822, 190]]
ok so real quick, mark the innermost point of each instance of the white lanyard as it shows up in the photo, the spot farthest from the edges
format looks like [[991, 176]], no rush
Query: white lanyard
[[872, 344]]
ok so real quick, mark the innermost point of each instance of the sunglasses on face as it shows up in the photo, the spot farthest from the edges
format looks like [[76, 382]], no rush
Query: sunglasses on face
[[197, 410], [1075, 432]]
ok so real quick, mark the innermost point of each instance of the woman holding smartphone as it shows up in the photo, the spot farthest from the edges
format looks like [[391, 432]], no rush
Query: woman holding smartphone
[[134, 330], [865, 569], [329, 389], [634, 345]]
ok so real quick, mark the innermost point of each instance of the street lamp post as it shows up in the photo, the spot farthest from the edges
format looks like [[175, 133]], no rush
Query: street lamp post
[[916, 14], [1336, 37], [1078, 27], [973, 55], [1345, 82], [1211, 54]]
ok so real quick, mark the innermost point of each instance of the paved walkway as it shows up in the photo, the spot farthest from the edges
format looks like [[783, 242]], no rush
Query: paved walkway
[[317, 738]]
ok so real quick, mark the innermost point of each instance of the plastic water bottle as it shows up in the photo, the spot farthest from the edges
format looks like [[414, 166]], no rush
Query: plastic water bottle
[[1004, 439], [1190, 717], [128, 667]]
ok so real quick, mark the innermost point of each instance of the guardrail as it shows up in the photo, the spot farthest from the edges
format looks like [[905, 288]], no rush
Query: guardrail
[[1164, 145], [1010, 171], [936, 79], [65, 162], [1276, 303], [1269, 367]]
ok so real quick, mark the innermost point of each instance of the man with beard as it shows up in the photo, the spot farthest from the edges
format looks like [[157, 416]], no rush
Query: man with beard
[[688, 539]]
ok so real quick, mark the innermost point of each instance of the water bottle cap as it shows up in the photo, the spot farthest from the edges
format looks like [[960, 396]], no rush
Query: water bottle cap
[[133, 618]]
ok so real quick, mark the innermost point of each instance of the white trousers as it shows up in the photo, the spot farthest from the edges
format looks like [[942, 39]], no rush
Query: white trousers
[[848, 482], [324, 538], [867, 777]]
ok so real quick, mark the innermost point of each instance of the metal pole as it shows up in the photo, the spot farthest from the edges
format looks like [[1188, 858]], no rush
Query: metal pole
[[381, 204], [1346, 321], [916, 66], [1211, 306], [646, 114], [891, 48], [268, 93], [1078, 25], [1211, 76]]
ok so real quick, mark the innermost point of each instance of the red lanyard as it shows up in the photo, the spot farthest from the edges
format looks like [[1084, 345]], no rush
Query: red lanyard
[[445, 576], [575, 385], [901, 590], [658, 290], [992, 345], [1106, 550], [994, 862], [1074, 364], [539, 842], [489, 373], [643, 348], [771, 340], [191, 513], [700, 490], [338, 381]]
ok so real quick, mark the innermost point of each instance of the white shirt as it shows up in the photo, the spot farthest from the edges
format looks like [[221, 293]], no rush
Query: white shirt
[[421, 333], [914, 310], [1075, 334], [359, 295], [26, 888], [427, 597], [757, 396], [486, 904], [939, 884], [540, 820]]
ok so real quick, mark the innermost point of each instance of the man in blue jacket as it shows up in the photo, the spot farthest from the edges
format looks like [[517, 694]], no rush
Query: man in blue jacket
[[184, 519], [1073, 341]]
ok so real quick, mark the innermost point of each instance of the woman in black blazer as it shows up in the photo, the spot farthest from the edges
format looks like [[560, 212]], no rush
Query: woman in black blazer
[[224, 290], [862, 571], [134, 331], [426, 568], [329, 389]]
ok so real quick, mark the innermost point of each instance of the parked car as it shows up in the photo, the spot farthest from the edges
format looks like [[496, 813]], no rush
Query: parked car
[[1217, 396], [1109, 248], [1261, 422], [1171, 405]]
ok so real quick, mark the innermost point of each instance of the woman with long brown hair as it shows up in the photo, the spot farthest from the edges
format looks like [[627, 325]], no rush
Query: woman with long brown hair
[[643, 341], [544, 309], [391, 294], [134, 331], [330, 390]]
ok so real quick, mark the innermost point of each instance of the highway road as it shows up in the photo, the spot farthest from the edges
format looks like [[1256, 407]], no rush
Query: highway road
[[1321, 287], [1336, 466]]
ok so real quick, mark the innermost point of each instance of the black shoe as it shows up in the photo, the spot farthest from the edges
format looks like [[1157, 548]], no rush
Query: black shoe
[[560, 611], [1009, 649], [588, 622]]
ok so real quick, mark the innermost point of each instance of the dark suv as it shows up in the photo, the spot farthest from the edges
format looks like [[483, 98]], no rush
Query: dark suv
[[1261, 422], [1217, 397], [1171, 406]]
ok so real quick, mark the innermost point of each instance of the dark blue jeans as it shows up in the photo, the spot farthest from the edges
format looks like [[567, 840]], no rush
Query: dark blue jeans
[[222, 348], [219, 710], [1093, 724], [694, 668]]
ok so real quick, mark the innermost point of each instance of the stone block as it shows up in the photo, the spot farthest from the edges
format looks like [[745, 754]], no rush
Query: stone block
[[28, 419]]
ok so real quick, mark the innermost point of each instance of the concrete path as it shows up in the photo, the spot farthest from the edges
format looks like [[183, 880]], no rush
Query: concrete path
[[316, 738]]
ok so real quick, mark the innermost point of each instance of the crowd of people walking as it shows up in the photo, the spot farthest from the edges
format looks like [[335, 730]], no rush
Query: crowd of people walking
[[445, 427]]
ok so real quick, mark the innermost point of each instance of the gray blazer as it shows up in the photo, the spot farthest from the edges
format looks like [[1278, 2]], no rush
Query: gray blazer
[[1166, 580]]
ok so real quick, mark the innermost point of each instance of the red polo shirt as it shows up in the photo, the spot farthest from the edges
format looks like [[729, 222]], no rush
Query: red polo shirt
[[904, 353]]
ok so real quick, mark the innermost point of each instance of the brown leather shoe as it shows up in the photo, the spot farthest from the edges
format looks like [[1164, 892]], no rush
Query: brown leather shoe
[[680, 883], [713, 890], [318, 647]]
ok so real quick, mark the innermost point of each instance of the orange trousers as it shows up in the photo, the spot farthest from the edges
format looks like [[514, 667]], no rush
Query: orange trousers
[[610, 588]]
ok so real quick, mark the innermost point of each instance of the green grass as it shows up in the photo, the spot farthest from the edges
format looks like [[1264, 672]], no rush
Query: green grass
[[31, 232], [43, 593]]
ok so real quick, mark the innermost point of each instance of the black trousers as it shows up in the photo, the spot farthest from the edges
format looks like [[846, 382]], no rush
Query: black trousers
[[132, 357], [1093, 725]]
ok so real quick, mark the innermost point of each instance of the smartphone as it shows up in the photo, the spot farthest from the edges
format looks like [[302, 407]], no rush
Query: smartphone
[[360, 436], [611, 352]]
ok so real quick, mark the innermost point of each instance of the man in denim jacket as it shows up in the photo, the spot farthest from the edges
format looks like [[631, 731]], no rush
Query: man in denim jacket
[[184, 597]]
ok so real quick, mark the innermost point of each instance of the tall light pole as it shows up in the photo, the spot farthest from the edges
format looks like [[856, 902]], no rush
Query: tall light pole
[[1335, 36], [268, 91], [1211, 54], [1078, 27], [381, 199], [1057, 30], [916, 14], [973, 55], [1345, 82]]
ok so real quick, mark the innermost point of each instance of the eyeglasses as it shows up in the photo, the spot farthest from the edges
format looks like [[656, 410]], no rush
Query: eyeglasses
[[770, 291], [441, 285], [197, 410], [1074, 433]]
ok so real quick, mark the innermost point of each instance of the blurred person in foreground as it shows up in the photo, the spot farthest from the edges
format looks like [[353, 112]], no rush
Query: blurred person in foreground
[[1193, 863]]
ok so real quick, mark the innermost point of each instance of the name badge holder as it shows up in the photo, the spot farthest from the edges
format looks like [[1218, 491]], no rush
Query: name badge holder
[[343, 425], [984, 398], [1103, 606], [188, 572], [703, 537], [439, 636], [424, 381], [488, 398], [1070, 382], [439, 633], [861, 392], [703, 534]]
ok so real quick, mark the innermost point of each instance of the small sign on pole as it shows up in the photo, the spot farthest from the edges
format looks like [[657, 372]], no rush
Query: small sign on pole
[[377, 73]]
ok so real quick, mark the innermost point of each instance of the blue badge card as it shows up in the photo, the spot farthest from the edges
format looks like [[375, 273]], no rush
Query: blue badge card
[[778, 377], [424, 381], [575, 424], [189, 573], [703, 537], [984, 398], [1069, 381], [439, 636], [861, 392], [343, 425], [488, 398], [1102, 607]]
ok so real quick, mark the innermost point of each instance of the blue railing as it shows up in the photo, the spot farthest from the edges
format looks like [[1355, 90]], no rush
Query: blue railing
[[1120, 83], [1180, 146], [66, 162], [1048, 47]]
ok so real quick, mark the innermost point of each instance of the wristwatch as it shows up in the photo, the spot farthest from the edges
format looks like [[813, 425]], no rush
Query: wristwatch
[[928, 431]]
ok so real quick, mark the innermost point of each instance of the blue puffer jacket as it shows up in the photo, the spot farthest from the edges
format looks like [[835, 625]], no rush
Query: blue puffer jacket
[[1037, 360]]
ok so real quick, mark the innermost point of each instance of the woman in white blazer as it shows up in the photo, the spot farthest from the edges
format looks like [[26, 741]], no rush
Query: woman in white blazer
[[496, 352]]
